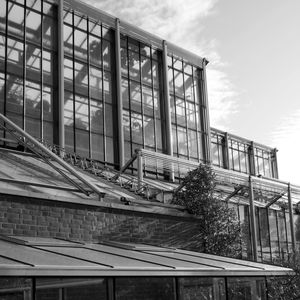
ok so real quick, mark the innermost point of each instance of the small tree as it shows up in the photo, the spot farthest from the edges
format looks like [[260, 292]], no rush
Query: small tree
[[219, 228]]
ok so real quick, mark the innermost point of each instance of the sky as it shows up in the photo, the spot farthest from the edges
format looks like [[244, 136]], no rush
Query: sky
[[253, 49]]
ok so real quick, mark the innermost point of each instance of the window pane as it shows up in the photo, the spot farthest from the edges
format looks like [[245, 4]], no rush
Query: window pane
[[15, 288], [137, 128], [202, 288], [95, 51], [149, 131], [146, 70], [134, 65], [108, 120], [49, 33], [81, 112], [144, 288], [33, 100], [15, 20], [73, 288], [96, 112], [82, 142], [106, 52], [14, 57], [135, 96], [96, 83], [33, 27], [245, 288], [33, 63]]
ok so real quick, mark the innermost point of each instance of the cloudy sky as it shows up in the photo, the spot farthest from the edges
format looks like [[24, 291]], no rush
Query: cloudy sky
[[253, 47]]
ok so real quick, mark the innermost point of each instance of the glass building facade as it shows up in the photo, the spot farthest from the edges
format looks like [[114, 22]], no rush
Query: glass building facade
[[238, 154], [158, 104], [28, 58], [123, 89]]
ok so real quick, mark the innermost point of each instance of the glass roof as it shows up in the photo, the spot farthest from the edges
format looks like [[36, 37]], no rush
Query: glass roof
[[55, 257]]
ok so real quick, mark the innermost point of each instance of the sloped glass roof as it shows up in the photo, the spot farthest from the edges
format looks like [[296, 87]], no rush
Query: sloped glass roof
[[27, 256]]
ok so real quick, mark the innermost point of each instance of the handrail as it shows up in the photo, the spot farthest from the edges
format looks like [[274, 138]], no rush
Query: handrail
[[53, 156]]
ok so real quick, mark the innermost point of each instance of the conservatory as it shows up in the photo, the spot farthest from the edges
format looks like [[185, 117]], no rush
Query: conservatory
[[46, 268]]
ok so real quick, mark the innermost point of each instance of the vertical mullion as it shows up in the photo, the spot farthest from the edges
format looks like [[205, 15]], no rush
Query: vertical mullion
[[129, 95], [88, 86], [61, 83], [239, 156], [278, 239], [42, 76], [5, 65], [175, 108], [270, 240], [104, 148], [286, 235], [259, 232], [197, 119], [185, 111], [24, 66], [158, 103], [74, 91], [141, 97]]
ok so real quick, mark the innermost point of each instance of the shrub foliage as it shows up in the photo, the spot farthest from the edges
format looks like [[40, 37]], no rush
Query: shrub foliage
[[219, 229]]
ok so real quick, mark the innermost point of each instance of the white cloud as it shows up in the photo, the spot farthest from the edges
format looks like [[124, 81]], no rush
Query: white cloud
[[182, 23], [286, 137]]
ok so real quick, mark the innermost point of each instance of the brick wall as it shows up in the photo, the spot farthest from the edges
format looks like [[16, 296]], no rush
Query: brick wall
[[39, 217]]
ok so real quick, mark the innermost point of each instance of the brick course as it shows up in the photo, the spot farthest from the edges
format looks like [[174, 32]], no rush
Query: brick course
[[39, 217]]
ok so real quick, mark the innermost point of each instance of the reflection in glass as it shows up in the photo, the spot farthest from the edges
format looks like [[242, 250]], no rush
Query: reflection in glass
[[273, 234], [33, 27], [71, 288], [144, 288], [15, 288], [202, 288], [15, 20], [246, 288]]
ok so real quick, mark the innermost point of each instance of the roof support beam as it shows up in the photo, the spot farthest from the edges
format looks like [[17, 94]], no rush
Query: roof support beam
[[61, 88], [275, 199], [252, 220], [291, 218], [119, 93], [48, 155], [233, 193], [167, 106]]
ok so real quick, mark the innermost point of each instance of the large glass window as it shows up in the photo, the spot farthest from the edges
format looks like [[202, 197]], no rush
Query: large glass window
[[28, 56], [217, 149], [202, 288], [89, 104], [275, 248], [144, 288], [263, 162], [184, 93], [71, 288], [141, 91], [238, 156], [246, 288], [16, 288]]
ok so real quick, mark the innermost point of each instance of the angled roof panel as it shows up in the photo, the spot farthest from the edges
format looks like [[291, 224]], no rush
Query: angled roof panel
[[56, 258]]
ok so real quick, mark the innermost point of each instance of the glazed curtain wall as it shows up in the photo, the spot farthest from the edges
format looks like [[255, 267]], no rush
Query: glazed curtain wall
[[134, 288], [185, 117], [274, 242], [141, 96], [242, 156], [28, 49], [89, 100]]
